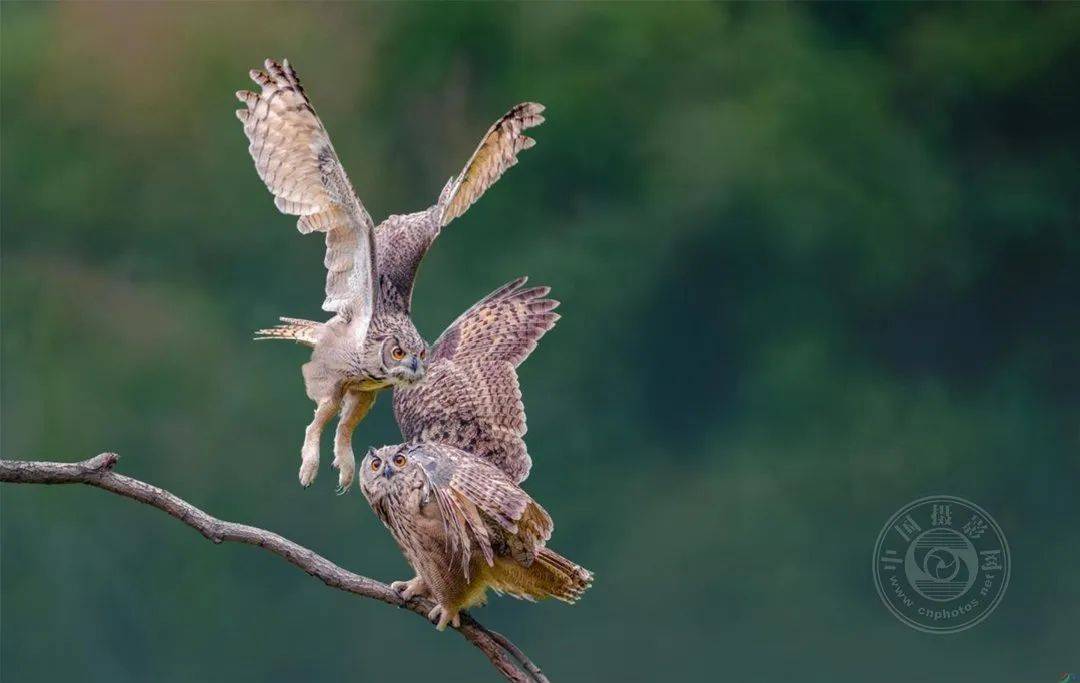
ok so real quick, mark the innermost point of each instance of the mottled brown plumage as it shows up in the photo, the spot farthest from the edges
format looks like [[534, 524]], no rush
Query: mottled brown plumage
[[450, 496], [370, 343], [472, 399]]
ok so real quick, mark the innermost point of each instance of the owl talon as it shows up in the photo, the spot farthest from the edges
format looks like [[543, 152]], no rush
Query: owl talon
[[346, 472], [414, 587], [308, 470], [441, 616]]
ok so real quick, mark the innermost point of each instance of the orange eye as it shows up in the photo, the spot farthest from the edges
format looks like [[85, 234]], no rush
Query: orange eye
[[399, 460], [398, 353], [375, 464], [423, 354]]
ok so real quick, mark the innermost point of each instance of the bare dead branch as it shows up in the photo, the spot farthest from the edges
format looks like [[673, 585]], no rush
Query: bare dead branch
[[506, 657]]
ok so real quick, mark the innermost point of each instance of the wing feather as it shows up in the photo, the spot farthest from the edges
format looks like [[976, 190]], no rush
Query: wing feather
[[403, 240], [496, 153], [480, 502], [294, 157], [470, 397]]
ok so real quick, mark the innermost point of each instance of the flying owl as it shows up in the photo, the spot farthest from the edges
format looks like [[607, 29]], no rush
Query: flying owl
[[370, 343], [451, 496]]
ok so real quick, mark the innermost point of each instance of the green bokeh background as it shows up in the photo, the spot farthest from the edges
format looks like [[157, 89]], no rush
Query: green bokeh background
[[815, 261]]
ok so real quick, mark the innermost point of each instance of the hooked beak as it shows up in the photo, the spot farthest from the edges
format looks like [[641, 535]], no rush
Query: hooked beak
[[387, 472], [408, 373]]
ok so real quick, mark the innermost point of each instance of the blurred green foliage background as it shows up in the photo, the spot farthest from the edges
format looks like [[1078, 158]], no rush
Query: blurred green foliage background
[[815, 261]]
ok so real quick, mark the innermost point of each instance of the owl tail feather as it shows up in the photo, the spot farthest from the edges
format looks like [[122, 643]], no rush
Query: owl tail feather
[[549, 576], [294, 329]]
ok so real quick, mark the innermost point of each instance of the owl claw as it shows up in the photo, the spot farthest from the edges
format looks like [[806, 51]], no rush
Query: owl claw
[[441, 616], [346, 472], [308, 470], [414, 587]]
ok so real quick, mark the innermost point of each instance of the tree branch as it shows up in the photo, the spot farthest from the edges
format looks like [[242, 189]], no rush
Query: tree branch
[[510, 661]]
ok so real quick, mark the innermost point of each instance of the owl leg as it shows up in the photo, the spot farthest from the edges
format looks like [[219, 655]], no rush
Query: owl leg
[[442, 615], [354, 406], [414, 587], [309, 454]]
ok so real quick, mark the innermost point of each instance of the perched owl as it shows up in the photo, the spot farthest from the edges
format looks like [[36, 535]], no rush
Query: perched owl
[[371, 342], [450, 495]]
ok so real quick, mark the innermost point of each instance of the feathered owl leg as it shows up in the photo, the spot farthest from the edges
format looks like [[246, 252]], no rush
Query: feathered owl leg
[[414, 587], [354, 406], [309, 454], [442, 615]]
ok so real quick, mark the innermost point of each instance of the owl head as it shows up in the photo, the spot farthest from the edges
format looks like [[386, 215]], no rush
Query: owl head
[[390, 470], [399, 352]]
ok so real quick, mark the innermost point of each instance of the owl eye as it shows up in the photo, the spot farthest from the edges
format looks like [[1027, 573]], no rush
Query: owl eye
[[376, 463], [423, 354], [398, 353], [399, 460]]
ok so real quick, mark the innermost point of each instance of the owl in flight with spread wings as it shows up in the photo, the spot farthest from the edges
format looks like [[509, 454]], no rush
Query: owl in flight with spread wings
[[370, 343], [451, 495]]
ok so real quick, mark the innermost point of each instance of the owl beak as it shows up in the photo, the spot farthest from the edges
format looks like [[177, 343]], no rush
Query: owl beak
[[414, 364], [387, 472]]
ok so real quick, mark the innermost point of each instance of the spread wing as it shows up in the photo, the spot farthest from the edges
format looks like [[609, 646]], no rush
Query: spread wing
[[470, 397], [294, 157], [480, 503], [402, 241], [497, 152]]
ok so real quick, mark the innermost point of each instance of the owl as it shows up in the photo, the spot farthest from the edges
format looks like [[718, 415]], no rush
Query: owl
[[370, 343], [451, 495]]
